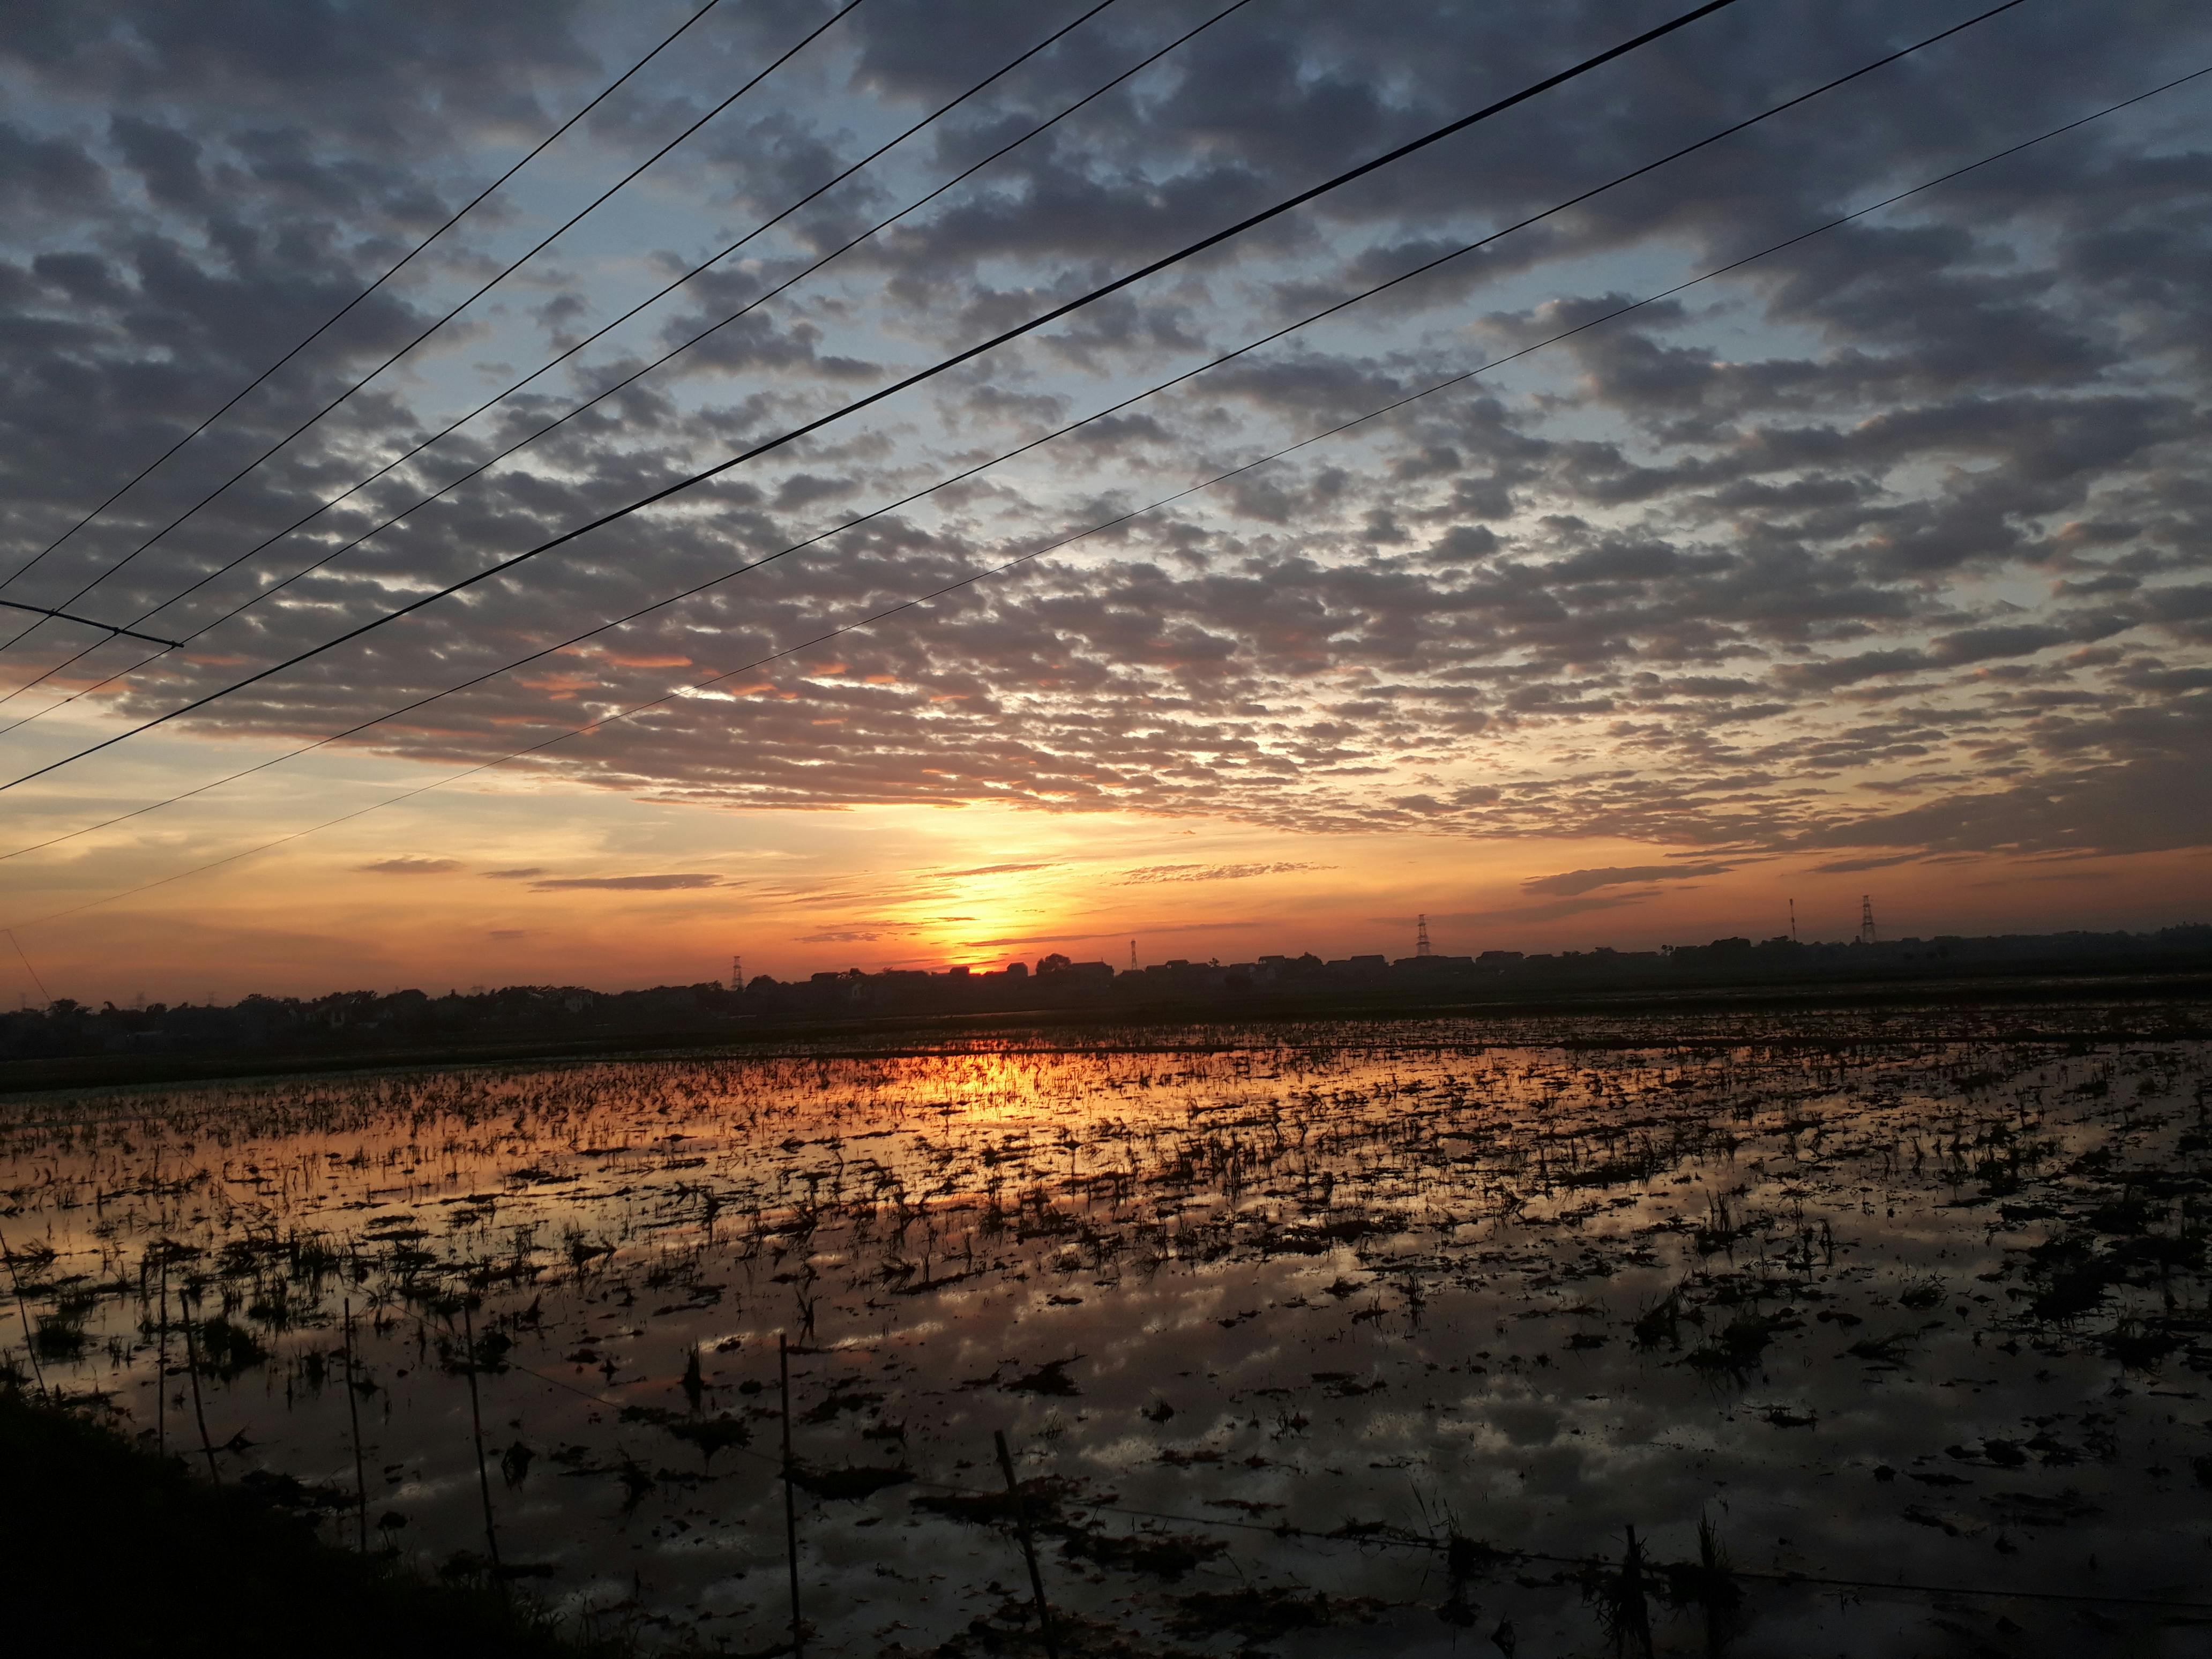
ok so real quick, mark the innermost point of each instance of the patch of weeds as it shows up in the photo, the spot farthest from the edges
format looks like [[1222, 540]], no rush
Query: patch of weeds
[[1164, 1555], [1661, 1323], [1049, 1378], [709, 1435], [61, 1333], [1254, 1615], [852, 1481], [837, 1403], [1885, 1351], [1183, 1460], [226, 1349], [2024, 1509], [1710, 1585], [1045, 1497], [2138, 1347], [1740, 1342], [1347, 1385], [489, 1357]]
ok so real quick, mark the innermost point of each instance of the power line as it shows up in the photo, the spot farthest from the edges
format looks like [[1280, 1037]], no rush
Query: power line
[[977, 577], [751, 305], [920, 376], [46, 996], [339, 315], [108, 629], [478, 292]]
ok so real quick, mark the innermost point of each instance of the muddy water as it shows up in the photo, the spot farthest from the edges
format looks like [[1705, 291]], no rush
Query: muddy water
[[1266, 1328]]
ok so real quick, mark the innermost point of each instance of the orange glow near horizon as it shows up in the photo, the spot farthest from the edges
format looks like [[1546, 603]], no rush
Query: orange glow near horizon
[[562, 886]]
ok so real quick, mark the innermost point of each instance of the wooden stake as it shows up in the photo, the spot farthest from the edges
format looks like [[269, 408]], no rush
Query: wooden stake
[[790, 1499], [1029, 1544], [476, 1427], [353, 1410], [161, 1367], [193, 1364], [23, 1310], [1633, 1620]]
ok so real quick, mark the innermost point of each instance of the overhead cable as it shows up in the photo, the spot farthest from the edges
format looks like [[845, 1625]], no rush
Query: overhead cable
[[475, 295], [486, 465], [107, 629], [404, 261], [919, 376]]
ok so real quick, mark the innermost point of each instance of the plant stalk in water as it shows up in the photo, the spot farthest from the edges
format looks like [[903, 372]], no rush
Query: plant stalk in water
[[192, 1366], [353, 1410], [476, 1430], [790, 1499], [30, 1342], [1029, 1544]]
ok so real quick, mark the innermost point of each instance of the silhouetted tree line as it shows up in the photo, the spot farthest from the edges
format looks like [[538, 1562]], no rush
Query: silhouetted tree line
[[349, 1020]]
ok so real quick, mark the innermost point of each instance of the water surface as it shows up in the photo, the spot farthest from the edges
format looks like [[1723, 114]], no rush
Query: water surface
[[1267, 1321]]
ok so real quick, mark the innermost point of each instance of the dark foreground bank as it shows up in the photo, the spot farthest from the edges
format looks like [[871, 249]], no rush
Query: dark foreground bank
[[106, 1549]]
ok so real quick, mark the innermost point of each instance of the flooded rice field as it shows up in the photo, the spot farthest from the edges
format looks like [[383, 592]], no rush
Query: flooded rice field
[[1375, 1338]]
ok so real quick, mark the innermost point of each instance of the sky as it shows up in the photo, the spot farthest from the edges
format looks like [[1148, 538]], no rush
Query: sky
[[1875, 563]]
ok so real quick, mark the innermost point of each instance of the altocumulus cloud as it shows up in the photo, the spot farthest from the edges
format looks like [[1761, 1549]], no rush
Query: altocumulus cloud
[[1570, 882], [672, 883], [1891, 543], [1159, 872]]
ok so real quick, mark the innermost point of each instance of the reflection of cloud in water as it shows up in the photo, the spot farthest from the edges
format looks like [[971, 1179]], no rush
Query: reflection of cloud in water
[[1378, 1276]]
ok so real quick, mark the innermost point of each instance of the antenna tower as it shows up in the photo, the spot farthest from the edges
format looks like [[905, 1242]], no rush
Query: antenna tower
[[1866, 919], [737, 973], [1133, 956], [1421, 937], [1793, 922]]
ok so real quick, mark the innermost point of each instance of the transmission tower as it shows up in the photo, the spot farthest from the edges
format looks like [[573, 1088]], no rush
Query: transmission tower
[[1866, 919], [737, 973], [1793, 922], [1421, 937], [1133, 956]]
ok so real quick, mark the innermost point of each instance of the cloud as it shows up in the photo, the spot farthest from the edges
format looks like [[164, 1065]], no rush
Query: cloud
[[1852, 866], [1571, 882], [655, 884], [1153, 873], [1793, 566], [1151, 931], [1557, 910], [409, 867]]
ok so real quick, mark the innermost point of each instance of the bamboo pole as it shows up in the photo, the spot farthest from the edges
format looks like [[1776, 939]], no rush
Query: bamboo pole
[[790, 1499], [193, 1364], [476, 1427], [353, 1410], [1029, 1543], [23, 1311], [161, 1367]]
